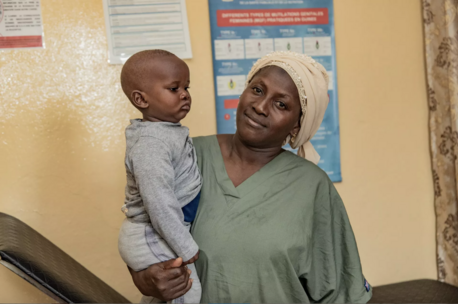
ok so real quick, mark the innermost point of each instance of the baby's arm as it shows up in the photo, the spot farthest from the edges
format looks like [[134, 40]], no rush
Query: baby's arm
[[192, 260], [155, 177]]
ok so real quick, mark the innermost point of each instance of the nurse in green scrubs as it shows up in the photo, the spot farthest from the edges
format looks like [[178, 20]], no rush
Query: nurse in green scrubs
[[271, 227]]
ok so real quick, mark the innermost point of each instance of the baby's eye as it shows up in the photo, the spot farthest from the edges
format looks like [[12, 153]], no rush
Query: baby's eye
[[173, 89], [187, 88]]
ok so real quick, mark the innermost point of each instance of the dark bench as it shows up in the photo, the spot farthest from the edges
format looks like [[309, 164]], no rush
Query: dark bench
[[418, 291], [33, 257]]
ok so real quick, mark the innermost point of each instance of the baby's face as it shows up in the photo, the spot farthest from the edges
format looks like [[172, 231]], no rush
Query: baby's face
[[166, 91]]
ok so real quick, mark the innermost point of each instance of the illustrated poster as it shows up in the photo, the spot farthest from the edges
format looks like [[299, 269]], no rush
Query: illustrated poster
[[243, 31]]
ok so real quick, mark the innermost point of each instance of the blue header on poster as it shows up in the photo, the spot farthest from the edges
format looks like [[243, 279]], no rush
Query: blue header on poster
[[243, 31]]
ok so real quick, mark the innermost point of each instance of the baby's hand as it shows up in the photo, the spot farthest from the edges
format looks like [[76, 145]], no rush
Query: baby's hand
[[193, 259]]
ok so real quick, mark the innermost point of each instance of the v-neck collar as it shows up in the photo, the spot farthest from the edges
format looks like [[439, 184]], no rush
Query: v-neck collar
[[250, 183]]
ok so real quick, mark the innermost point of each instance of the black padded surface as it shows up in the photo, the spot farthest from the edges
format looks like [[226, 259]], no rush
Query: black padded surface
[[419, 291], [31, 252]]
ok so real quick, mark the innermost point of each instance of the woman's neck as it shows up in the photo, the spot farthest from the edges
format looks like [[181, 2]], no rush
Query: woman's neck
[[242, 160], [251, 155]]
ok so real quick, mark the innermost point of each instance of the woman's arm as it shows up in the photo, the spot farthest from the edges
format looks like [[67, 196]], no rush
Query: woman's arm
[[335, 273], [165, 281]]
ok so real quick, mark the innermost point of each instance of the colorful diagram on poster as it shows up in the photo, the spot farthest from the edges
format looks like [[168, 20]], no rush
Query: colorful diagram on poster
[[20, 24], [243, 31]]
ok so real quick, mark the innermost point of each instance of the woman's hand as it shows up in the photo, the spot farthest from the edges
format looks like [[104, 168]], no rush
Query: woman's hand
[[165, 281]]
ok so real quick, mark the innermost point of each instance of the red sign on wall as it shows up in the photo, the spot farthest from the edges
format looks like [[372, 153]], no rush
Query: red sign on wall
[[231, 103], [21, 42], [265, 17]]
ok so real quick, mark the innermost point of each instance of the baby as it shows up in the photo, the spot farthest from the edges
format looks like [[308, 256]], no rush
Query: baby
[[163, 180]]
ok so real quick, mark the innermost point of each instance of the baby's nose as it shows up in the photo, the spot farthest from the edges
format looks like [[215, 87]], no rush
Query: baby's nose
[[184, 95]]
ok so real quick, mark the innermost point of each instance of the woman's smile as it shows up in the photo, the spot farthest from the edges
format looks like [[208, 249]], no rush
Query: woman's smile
[[254, 122]]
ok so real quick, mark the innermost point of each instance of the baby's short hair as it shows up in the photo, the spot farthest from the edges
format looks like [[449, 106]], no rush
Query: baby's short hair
[[136, 69]]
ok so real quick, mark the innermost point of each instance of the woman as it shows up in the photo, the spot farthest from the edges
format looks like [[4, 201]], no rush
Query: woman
[[270, 226]]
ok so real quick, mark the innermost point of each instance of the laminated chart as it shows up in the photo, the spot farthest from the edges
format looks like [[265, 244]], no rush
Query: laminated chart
[[243, 31], [20, 24], [137, 25]]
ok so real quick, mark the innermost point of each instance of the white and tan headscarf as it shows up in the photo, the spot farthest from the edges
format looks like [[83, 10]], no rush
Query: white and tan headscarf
[[312, 82]]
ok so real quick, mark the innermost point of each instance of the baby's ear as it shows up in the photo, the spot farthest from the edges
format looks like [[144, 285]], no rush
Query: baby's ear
[[138, 99]]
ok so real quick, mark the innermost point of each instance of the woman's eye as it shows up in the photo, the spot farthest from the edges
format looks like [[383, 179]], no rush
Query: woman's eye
[[257, 90]]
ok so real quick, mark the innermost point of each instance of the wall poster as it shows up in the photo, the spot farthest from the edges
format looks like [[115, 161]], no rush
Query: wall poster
[[242, 31], [136, 25], [20, 24]]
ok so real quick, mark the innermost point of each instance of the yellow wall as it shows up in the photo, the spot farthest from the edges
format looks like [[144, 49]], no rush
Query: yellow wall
[[62, 116], [387, 184], [17, 290]]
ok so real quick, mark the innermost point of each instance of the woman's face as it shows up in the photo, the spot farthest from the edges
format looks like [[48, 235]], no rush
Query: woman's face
[[269, 109]]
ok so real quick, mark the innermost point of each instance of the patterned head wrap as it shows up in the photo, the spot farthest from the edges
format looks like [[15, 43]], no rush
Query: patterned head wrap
[[312, 82]]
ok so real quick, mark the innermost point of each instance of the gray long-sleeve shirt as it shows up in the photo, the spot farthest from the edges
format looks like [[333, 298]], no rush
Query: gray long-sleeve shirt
[[162, 178]]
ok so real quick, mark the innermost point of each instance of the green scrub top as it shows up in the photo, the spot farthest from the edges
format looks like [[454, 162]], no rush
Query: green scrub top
[[281, 236]]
